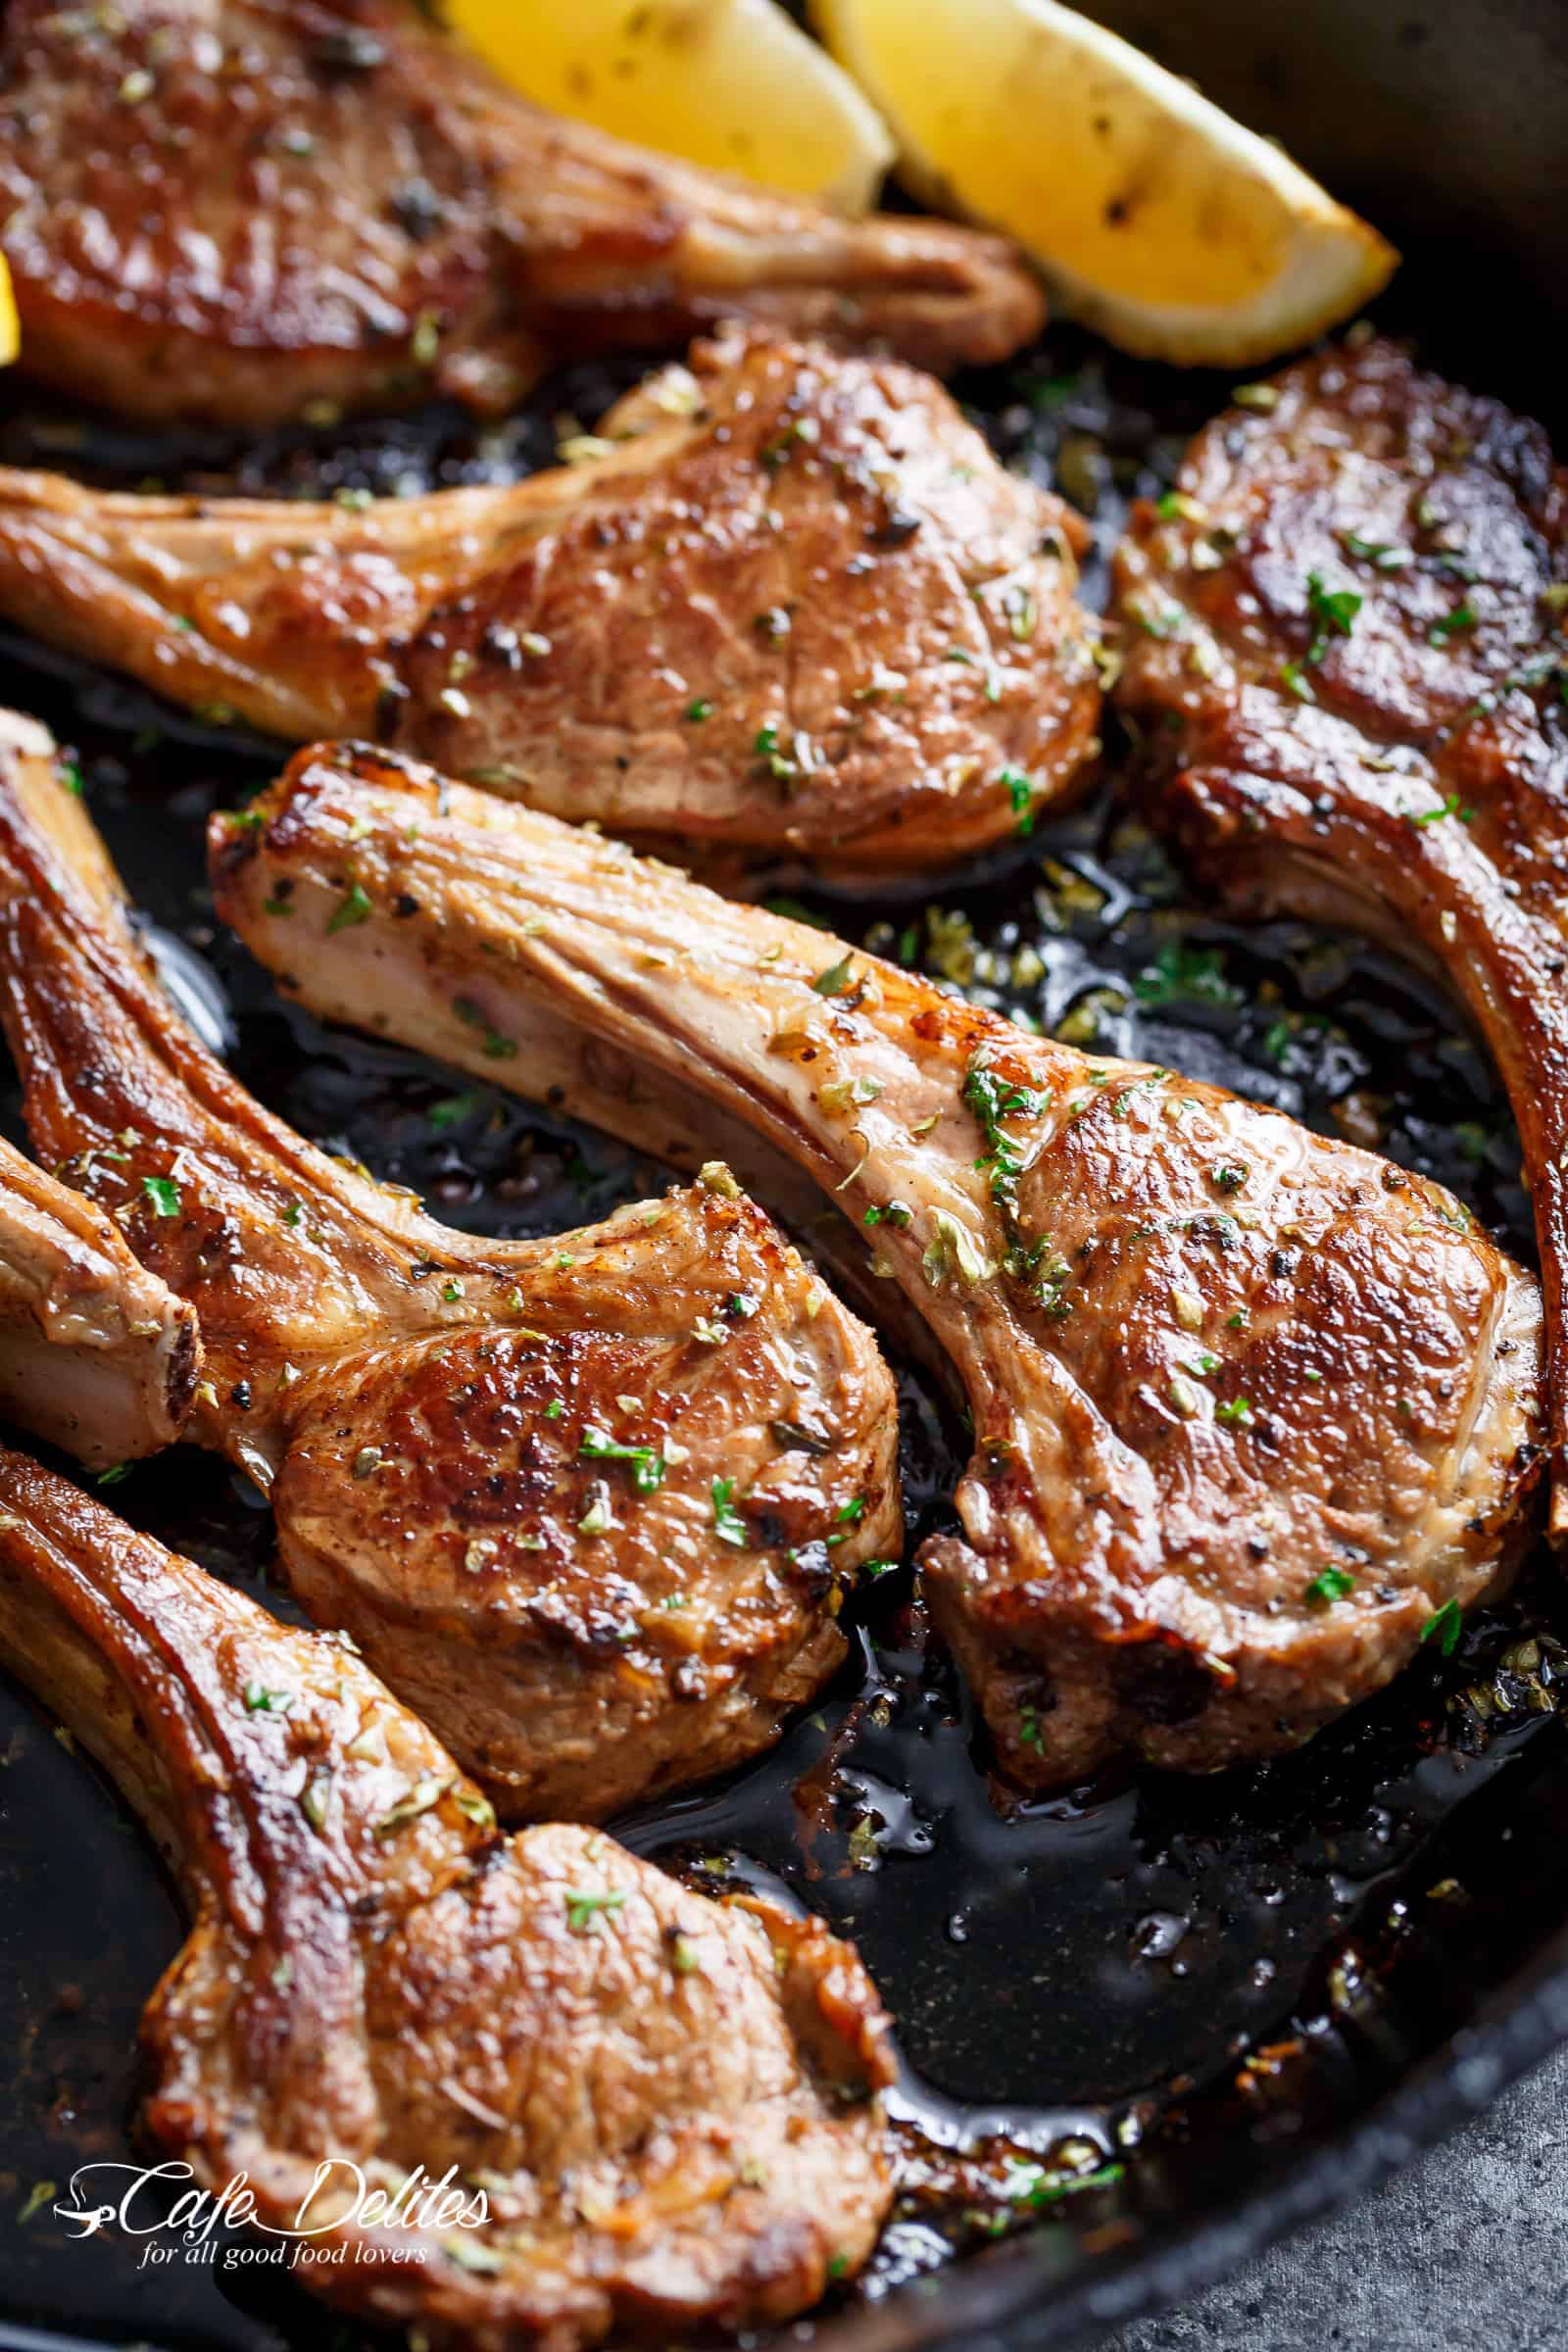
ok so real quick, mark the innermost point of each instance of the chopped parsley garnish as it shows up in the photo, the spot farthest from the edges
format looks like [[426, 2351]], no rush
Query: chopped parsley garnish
[[1332, 1585], [837, 977], [497, 1046], [1450, 806], [164, 1194], [700, 710], [353, 907], [854, 1511], [1174, 506], [1020, 790], [728, 1525], [113, 1475], [1227, 1176], [1333, 609], [260, 1700], [648, 1464], [1237, 1409], [1038, 2186], [993, 1098], [454, 1107], [585, 1908], [1182, 971], [1445, 1628], [1381, 552], [1453, 625]]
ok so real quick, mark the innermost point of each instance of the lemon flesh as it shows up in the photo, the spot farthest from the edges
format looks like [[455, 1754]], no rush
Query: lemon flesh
[[1158, 218], [732, 84], [10, 330]]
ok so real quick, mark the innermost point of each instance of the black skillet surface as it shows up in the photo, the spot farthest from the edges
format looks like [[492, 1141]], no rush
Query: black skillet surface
[[1234, 1997]]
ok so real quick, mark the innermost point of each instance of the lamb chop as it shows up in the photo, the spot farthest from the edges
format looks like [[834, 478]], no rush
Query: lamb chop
[[796, 606], [95, 1354], [1252, 1410], [588, 1503], [1347, 655], [244, 212], [608, 2103]]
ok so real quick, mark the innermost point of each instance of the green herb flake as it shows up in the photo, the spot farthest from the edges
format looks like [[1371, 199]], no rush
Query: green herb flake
[[837, 978], [1333, 609], [353, 907], [1381, 552], [1332, 1585], [1020, 792], [260, 1700], [586, 1907], [698, 711], [452, 1110], [1463, 618], [728, 1525], [164, 1194], [648, 1464], [1450, 806], [497, 1046], [1445, 1628]]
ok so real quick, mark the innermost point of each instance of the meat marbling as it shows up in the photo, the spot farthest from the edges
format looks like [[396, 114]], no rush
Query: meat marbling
[[646, 2110], [589, 1503], [1251, 1408], [1348, 663], [248, 211], [797, 607]]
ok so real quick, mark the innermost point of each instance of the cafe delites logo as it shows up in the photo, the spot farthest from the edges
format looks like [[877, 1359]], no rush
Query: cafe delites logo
[[160, 2207]]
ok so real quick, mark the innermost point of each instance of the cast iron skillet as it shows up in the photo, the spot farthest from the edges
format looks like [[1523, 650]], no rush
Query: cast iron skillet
[[1237, 2000]]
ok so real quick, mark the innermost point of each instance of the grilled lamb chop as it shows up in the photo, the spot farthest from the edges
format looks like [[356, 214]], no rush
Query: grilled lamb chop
[[587, 1503], [1348, 658], [1251, 1409], [95, 1354], [798, 607], [651, 2109], [248, 210]]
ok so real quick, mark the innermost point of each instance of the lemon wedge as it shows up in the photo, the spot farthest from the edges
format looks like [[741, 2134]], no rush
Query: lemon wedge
[[10, 330], [1158, 218], [729, 83]]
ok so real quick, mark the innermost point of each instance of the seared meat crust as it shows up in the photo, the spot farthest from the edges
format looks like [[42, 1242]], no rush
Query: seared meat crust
[[1346, 659], [1210, 1358], [573, 1497], [798, 607], [657, 2111], [248, 211]]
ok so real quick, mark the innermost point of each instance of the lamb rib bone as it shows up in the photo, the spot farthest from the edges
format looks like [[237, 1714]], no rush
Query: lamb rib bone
[[1250, 1407], [589, 1503], [669, 2103]]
